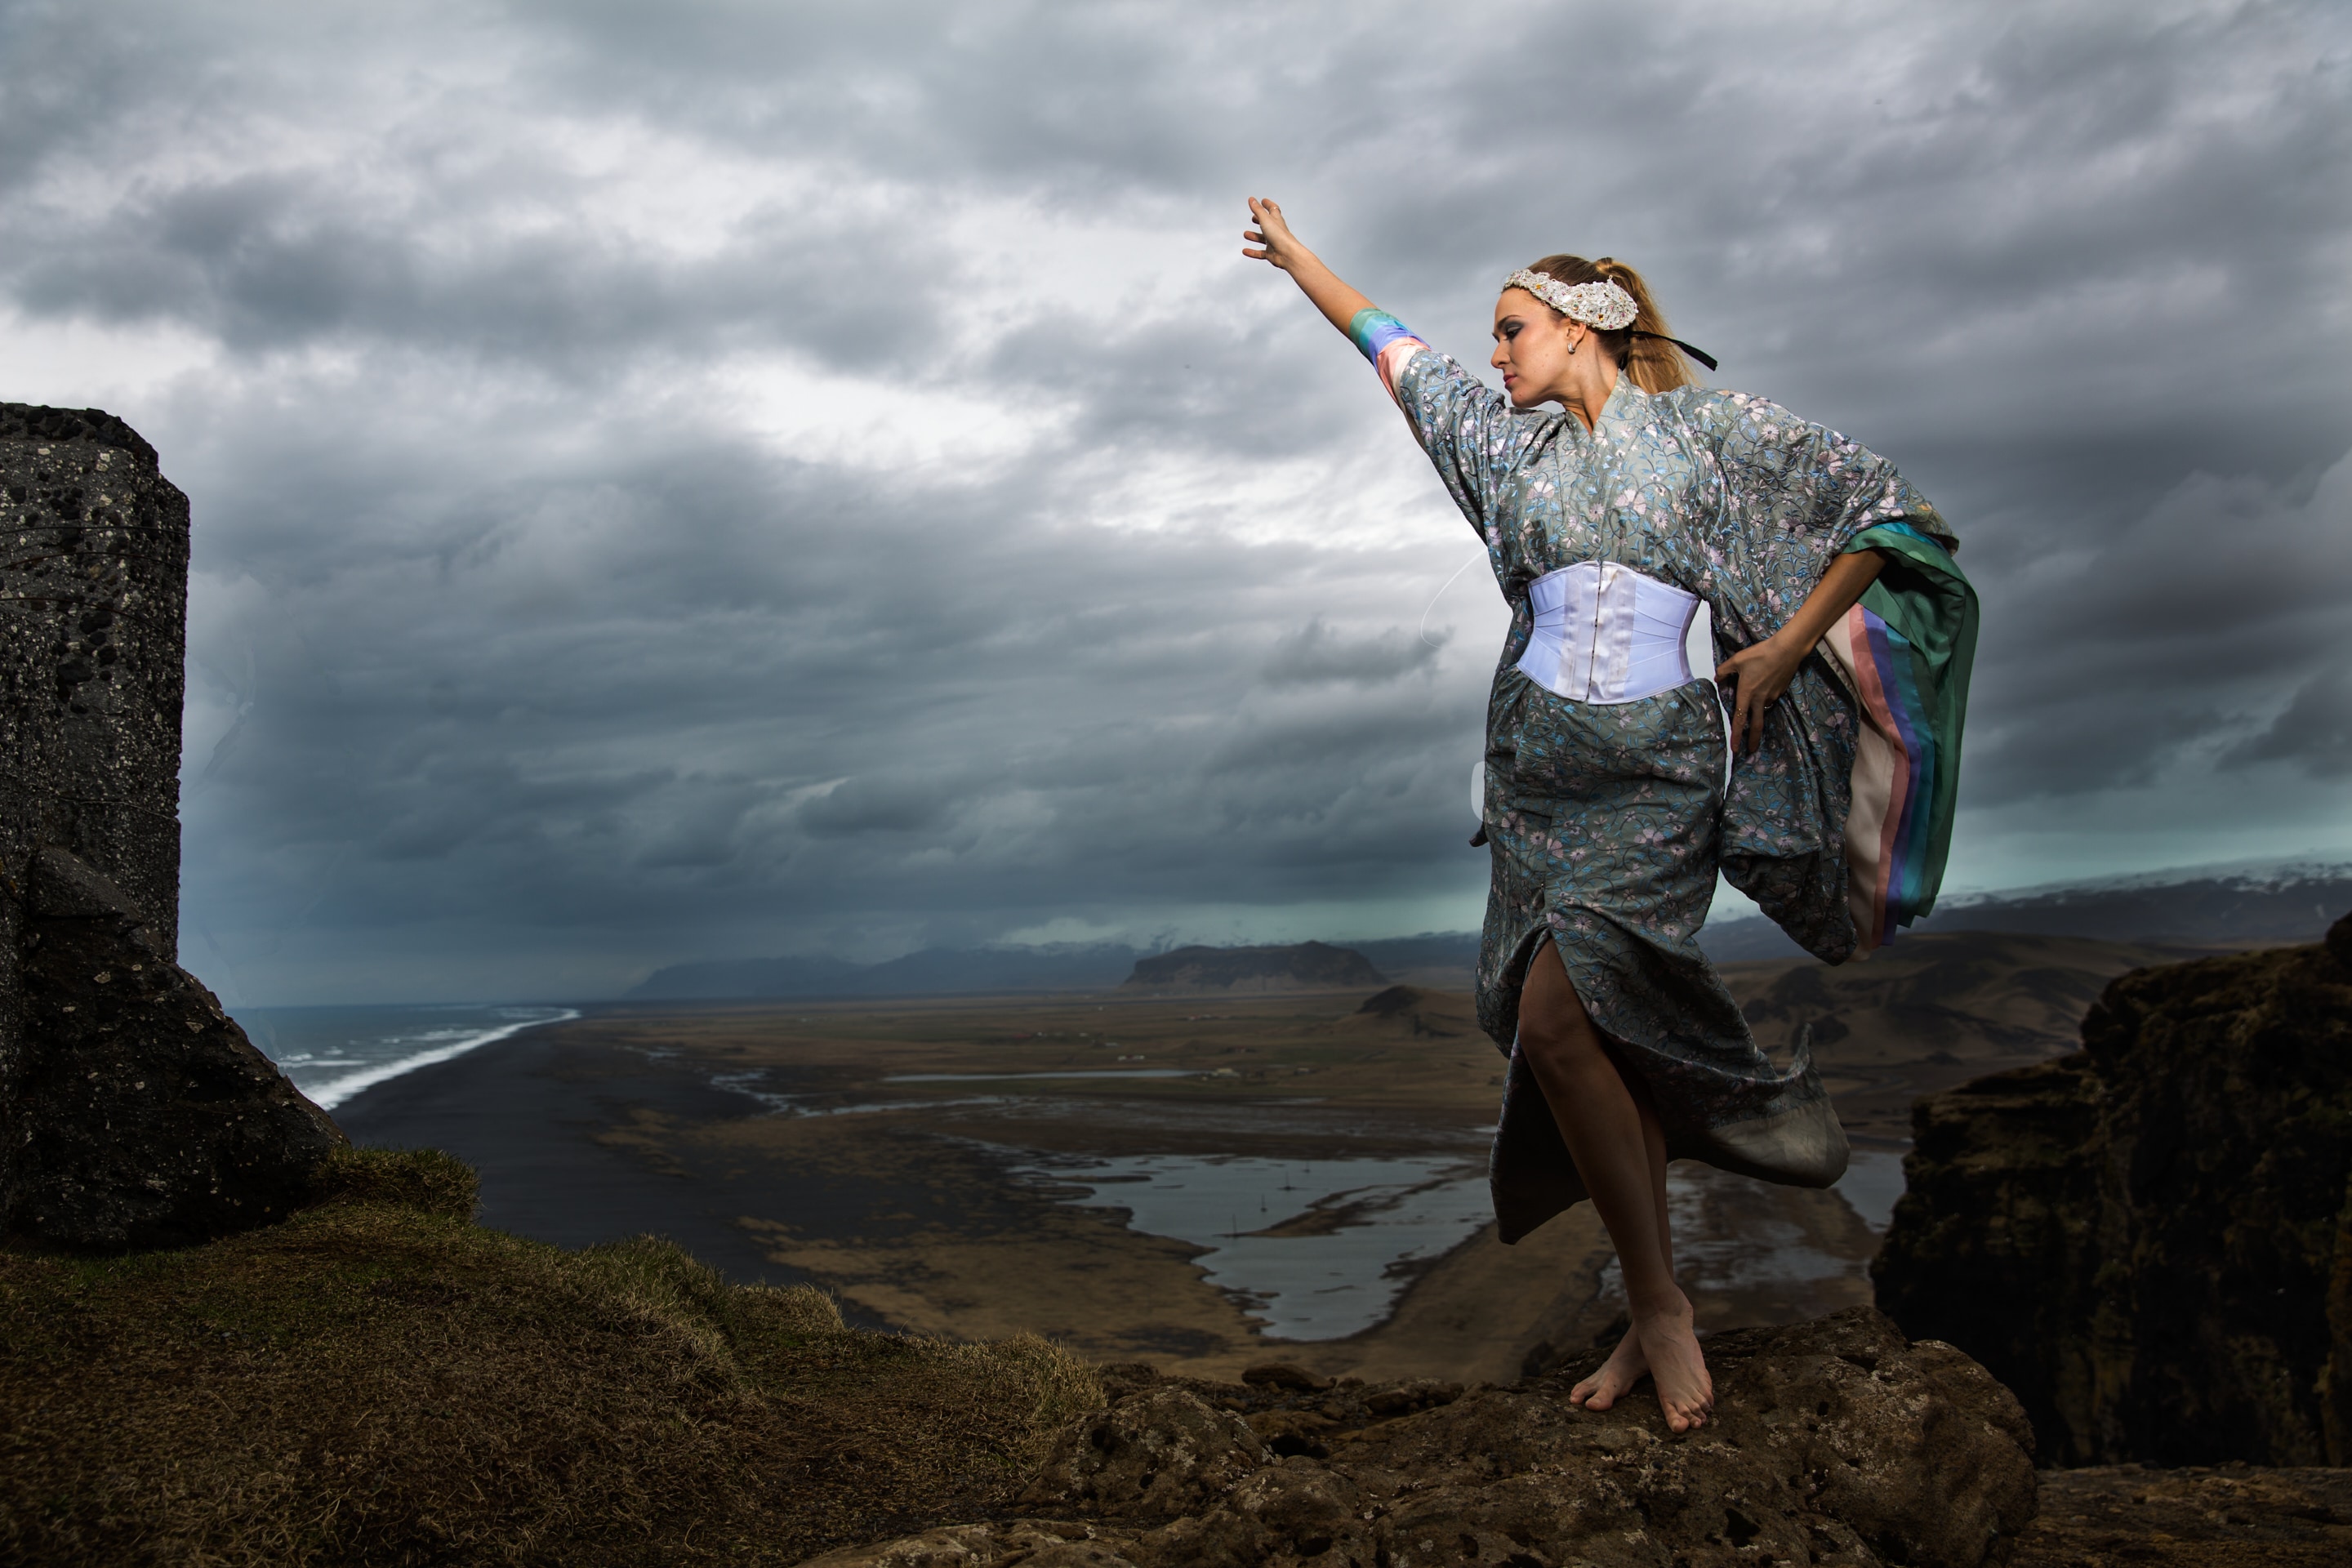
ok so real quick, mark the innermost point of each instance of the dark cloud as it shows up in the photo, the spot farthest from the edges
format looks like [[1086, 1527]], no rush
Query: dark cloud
[[1317, 654], [2315, 731], [728, 478], [2119, 650]]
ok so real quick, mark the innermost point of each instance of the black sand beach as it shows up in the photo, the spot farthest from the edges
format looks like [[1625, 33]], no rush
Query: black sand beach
[[544, 1118]]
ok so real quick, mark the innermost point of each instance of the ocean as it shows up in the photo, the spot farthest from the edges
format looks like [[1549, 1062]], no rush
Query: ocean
[[332, 1053]]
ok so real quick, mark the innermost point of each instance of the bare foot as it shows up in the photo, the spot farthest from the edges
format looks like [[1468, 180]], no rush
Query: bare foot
[[1625, 1367], [1670, 1346]]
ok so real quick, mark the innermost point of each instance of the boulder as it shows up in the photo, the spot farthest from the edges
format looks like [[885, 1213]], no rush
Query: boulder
[[151, 1121], [1152, 1456], [2150, 1240], [1836, 1441]]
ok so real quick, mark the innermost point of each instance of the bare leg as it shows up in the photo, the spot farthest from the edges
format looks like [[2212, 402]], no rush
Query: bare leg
[[1621, 1156], [1627, 1364]]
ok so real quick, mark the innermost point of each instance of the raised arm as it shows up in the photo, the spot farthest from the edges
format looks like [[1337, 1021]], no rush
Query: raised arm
[[1465, 425], [1277, 247], [1378, 336]]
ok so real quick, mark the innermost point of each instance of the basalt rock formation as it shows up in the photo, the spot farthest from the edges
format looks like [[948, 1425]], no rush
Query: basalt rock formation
[[132, 1110], [1835, 1441], [1422, 1012], [2150, 1240], [151, 1121], [1308, 966]]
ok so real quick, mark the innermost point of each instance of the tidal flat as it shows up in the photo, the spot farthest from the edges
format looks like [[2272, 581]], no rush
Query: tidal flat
[[1202, 1182]]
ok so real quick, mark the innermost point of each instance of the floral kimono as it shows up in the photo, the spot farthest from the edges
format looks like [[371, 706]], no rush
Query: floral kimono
[[1606, 823]]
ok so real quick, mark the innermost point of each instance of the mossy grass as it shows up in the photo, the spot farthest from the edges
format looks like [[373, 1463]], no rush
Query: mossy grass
[[426, 1180], [378, 1380]]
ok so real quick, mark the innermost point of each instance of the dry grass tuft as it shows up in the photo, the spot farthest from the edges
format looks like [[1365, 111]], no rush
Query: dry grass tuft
[[379, 1381], [424, 1180]]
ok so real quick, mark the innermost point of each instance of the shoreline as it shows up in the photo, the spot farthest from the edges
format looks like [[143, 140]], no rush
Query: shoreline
[[543, 1120], [341, 1090]]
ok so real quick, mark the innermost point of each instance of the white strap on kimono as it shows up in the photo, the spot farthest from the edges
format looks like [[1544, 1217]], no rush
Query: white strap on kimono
[[1604, 633]]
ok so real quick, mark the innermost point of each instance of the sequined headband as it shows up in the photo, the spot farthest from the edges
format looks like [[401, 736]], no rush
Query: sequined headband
[[1604, 305]]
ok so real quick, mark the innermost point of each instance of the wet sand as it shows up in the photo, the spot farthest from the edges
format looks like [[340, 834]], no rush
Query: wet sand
[[547, 1119], [907, 1158]]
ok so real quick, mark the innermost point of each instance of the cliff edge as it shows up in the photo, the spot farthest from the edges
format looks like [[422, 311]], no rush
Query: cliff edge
[[2150, 1240], [377, 1379]]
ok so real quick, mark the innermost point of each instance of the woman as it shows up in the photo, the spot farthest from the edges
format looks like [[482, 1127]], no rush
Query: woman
[[1607, 808]]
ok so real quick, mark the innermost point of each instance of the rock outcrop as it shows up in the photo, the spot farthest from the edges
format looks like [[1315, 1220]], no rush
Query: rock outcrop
[[2150, 1240], [1423, 1013], [2236, 1516], [92, 644], [1308, 966], [132, 1110], [153, 1121], [1836, 1441]]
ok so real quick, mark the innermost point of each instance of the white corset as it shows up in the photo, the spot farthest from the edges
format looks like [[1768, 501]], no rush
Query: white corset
[[1604, 633]]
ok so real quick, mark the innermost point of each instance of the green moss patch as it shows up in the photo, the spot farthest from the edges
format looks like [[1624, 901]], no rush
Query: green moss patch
[[380, 1381]]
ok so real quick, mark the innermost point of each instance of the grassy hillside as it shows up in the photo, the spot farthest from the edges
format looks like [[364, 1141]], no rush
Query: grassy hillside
[[380, 1381]]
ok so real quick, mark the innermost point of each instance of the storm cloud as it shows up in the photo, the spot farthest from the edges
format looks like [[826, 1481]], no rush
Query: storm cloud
[[721, 480]]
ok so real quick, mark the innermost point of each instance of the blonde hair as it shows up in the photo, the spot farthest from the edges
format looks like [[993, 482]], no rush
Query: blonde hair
[[1655, 364]]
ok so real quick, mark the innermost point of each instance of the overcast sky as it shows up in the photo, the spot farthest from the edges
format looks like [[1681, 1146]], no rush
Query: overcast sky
[[697, 481]]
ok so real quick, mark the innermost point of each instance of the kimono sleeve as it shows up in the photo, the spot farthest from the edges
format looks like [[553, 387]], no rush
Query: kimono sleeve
[[1904, 652], [1793, 496], [1473, 435], [1839, 827]]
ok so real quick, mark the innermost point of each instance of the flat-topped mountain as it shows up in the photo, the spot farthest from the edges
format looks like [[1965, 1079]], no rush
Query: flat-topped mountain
[[1308, 966]]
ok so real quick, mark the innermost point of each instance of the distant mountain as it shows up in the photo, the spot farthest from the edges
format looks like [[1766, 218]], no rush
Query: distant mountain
[[934, 972], [1308, 966], [1445, 959], [2198, 906]]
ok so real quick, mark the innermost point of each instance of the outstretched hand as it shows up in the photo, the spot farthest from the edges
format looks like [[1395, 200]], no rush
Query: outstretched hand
[[1272, 243], [1278, 245]]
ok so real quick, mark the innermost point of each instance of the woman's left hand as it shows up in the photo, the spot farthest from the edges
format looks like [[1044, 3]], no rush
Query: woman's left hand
[[1758, 675], [1761, 673]]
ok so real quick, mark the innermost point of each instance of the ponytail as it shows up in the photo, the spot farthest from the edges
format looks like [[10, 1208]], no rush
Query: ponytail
[[1642, 348]]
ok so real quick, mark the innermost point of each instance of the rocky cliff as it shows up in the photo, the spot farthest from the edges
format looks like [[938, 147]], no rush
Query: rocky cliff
[[2150, 1240], [132, 1110], [377, 1380], [1836, 1442]]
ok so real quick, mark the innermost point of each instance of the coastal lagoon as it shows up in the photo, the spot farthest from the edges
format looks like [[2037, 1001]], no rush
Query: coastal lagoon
[[1321, 1250], [1329, 1244]]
